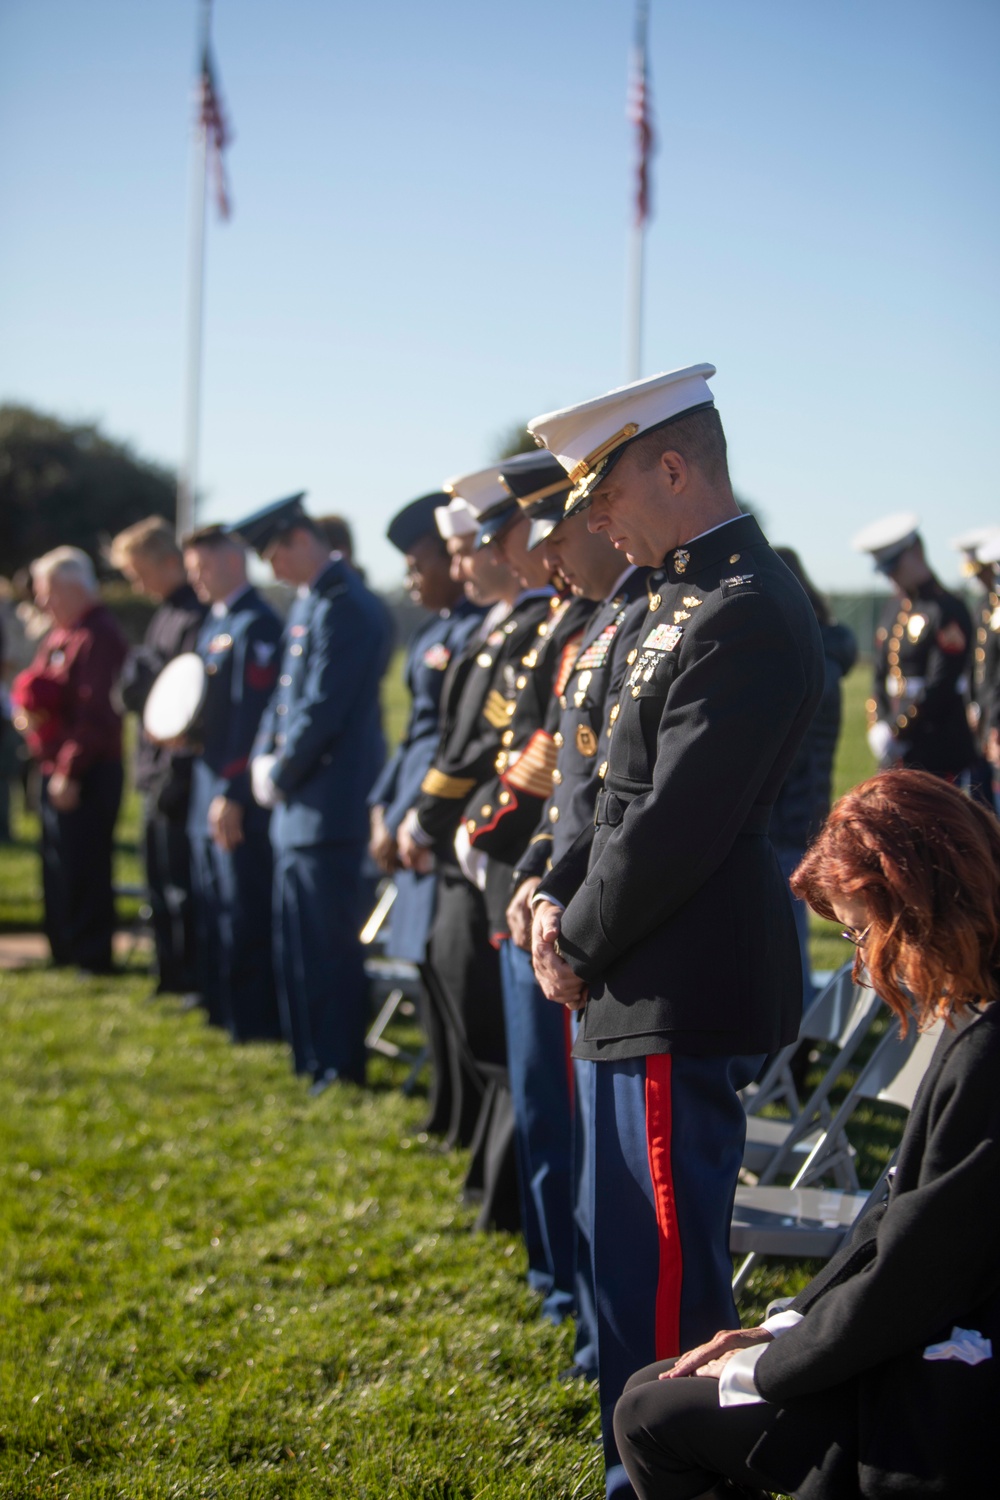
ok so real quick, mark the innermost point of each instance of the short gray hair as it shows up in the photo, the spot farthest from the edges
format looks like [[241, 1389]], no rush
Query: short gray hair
[[70, 563]]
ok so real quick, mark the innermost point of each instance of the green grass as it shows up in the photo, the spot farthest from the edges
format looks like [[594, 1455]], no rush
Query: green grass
[[216, 1286]]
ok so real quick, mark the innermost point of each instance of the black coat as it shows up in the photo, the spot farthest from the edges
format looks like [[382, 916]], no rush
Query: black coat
[[861, 1411], [804, 799], [165, 775], [683, 927], [923, 653]]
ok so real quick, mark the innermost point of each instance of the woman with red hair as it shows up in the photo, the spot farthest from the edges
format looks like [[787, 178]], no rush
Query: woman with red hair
[[881, 1377]]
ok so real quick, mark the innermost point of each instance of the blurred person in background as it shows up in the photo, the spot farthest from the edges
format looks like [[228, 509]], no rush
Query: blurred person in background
[[804, 800], [149, 557], [239, 643], [923, 652], [67, 703], [982, 692], [318, 751]]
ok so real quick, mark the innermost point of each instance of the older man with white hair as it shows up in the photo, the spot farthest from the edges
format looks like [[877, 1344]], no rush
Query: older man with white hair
[[66, 703]]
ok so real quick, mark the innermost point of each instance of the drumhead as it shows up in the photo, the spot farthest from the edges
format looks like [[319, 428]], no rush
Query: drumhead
[[176, 697]]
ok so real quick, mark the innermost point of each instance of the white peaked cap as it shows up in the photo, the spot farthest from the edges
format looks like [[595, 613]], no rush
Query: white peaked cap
[[454, 519], [588, 439], [887, 538], [970, 540], [484, 488], [988, 550]]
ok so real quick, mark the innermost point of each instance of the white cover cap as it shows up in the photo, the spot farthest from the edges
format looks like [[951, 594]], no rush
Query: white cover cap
[[589, 438], [484, 488], [988, 550], [887, 538], [454, 519]]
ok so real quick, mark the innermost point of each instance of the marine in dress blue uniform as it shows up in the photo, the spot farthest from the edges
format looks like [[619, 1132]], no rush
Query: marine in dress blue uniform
[[581, 742], [923, 655], [677, 936], [443, 637], [239, 644], [315, 759]]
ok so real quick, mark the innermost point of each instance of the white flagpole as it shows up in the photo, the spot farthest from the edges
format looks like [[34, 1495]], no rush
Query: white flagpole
[[187, 486], [635, 276]]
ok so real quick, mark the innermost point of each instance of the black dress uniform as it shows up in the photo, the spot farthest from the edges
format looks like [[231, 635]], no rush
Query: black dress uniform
[[922, 662], [462, 959], [985, 685], [581, 742], [679, 920], [164, 778], [502, 816], [239, 644]]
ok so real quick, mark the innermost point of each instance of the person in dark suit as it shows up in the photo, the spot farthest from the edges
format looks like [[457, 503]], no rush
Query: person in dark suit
[[148, 555], [881, 1376], [923, 653], [804, 799], [239, 644], [453, 620], [669, 922], [316, 757], [67, 705]]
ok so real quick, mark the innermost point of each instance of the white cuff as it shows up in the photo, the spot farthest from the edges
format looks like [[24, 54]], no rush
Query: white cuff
[[544, 896], [265, 793], [780, 1322], [471, 862], [736, 1387], [420, 836]]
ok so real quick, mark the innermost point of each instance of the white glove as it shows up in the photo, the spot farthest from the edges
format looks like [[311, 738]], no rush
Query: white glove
[[265, 793], [471, 862], [882, 744]]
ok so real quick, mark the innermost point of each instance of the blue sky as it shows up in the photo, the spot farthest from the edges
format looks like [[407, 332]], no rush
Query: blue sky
[[429, 242]]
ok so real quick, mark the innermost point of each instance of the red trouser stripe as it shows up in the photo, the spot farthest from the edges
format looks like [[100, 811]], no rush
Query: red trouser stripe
[[568, 1044], [658, 1133]]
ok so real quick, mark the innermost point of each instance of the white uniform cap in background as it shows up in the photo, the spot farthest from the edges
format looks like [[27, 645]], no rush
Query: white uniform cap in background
[[888, 538], [484, 488], [589, 439], [988, 550], [970, 540], [454, 519]]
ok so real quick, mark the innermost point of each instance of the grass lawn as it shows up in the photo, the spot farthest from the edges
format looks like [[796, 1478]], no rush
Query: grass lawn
[[215, 1286]]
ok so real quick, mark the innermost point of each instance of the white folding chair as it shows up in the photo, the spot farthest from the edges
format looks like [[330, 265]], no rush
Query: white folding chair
[[806, 1220]]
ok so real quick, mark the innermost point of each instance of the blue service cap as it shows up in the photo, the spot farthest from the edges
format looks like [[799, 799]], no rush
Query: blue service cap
[[496, 519], [416, 520], [540, 485], [260, 529]]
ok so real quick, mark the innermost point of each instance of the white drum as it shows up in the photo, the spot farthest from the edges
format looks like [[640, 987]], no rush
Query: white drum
[[176, 699]]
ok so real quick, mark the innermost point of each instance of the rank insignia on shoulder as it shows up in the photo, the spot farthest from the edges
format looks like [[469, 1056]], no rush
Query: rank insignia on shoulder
[[437, 657], [738, 583], [662, 638], [586, 740]]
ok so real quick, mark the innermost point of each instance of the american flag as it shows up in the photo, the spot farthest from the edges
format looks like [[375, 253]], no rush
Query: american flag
[[212, 120], [640, 113]]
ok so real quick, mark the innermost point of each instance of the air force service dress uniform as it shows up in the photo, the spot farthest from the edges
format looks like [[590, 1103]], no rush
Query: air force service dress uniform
[[676, 914], [239, 644], [323, 730], [923, 649], [438, 642]]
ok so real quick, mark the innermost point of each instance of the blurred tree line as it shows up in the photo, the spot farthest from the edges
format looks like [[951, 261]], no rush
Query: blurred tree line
[[64, 483]]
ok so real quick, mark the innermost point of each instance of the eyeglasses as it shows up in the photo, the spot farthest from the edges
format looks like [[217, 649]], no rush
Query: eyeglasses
[[854, 936]]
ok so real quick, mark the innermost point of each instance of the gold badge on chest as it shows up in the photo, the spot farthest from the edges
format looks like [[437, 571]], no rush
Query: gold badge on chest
[[586, 740]]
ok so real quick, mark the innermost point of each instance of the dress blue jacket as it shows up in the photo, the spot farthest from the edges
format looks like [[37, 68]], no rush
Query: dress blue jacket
[[323, 722], [443, 638], [240, 649]]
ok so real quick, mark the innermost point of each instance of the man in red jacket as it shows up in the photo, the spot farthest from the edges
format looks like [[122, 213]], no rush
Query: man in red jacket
[[66, 703]]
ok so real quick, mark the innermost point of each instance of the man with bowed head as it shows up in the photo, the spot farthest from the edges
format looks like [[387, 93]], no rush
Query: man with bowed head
[[669, 924], [66, 703], [315, 759]]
